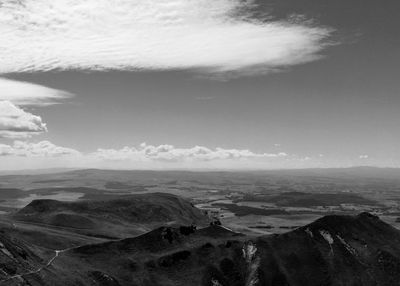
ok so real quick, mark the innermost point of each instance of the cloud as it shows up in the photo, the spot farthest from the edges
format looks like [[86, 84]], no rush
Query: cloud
[[169, 153], [17, 123], [363, 156], [24, 93], [210, 35], [41, 155], [40, 149], [44, 154]]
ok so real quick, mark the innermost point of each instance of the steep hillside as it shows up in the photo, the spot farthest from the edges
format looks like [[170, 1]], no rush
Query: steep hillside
[[115, 218], [165, 256], [334, 250], [17, 256]]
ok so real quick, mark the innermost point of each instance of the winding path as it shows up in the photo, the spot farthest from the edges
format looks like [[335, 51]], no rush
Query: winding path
[[51, 260]]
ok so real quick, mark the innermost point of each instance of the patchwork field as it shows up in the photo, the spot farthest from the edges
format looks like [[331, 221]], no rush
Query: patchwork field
[[250, 202]]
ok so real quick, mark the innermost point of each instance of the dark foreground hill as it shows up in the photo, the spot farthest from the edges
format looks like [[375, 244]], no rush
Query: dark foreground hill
[[116, 218], [334, 250], [16, 256]]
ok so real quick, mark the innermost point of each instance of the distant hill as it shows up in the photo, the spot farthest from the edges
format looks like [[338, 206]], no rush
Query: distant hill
[[140, 179], [351, 172], [36, 171], [104, 184], [334, 250], [116, 217]]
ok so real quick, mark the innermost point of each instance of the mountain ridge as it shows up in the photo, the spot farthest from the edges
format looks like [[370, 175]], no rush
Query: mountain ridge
[[333, 250]]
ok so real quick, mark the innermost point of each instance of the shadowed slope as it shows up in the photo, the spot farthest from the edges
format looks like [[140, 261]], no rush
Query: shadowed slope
[[17, 256], [334, 250]]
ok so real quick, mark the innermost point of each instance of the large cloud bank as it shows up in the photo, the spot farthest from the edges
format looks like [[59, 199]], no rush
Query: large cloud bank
[[169, 153], [47, 155], [213, 35]]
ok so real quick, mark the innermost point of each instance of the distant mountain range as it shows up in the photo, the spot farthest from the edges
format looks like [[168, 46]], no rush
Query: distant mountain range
[[360, 170], [126, 179]]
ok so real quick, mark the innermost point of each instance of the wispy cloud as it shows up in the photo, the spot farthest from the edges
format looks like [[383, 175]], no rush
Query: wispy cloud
[[24, 93], [17, 123], [211, 35]]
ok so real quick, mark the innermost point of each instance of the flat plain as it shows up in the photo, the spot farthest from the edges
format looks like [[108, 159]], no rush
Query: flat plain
[[250, 202]]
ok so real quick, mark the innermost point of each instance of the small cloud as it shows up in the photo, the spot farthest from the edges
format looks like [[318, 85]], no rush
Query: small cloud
[[17, 123], [277, 145], [307, 158], [363, 156]]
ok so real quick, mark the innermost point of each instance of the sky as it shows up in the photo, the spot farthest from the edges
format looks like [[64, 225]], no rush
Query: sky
[[199, 84]]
